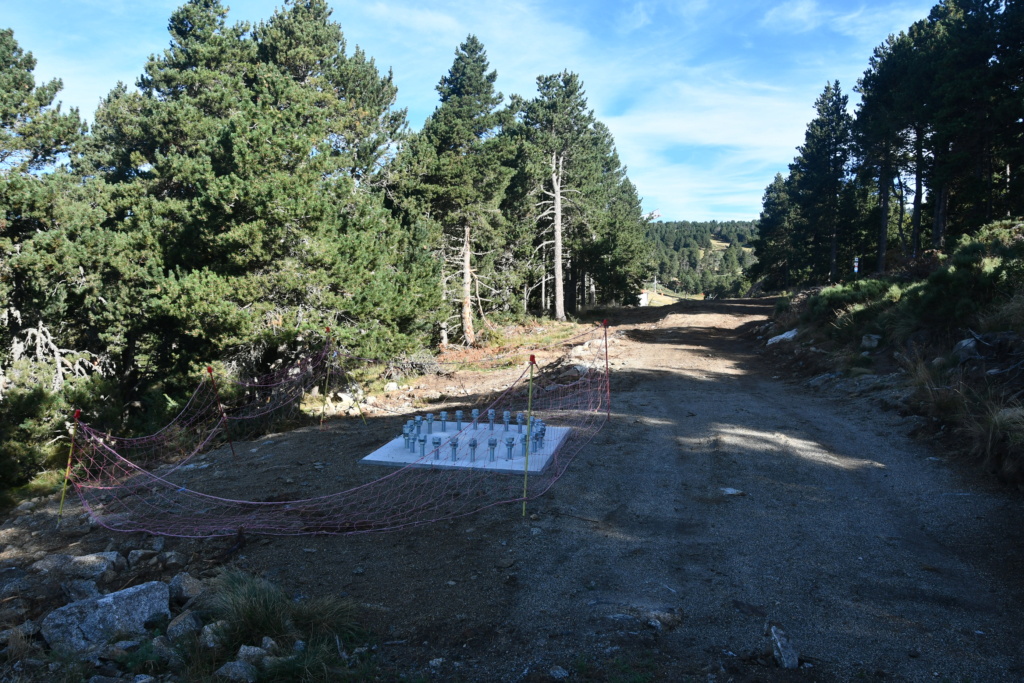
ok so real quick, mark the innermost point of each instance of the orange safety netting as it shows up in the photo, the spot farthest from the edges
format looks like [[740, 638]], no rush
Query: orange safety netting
[[139, 484]]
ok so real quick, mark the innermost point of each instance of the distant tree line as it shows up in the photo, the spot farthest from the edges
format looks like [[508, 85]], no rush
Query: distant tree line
[[257, 187], [934, 151], [687, 261]]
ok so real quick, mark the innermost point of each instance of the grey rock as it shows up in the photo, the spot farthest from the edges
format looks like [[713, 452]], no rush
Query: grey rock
[[143, 678], [269, 662], [210, 636], [27, 506], [26, 630], [822, 379], [163, 648], [88, 624], [80, 567], [137, 557], [120, 649], [870, 341], [966, 349], [251, 654], [244, 672], [558, 673], [183, 587], [268, 644], [80, 589], [782, 648], [173, 560], [13, 581], [185, 624], [785, 336]]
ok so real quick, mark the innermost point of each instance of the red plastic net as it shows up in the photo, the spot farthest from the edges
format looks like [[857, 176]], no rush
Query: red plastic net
[[150, 484]]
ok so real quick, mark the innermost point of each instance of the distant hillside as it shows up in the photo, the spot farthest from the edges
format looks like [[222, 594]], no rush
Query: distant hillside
[[688, 261]]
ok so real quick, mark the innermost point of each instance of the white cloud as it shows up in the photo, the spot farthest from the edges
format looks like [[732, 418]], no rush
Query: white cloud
[[795, 16], [875, 24], [636, 17]]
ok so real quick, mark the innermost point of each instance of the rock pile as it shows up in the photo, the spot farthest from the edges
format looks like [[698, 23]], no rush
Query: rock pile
[[75, 596]]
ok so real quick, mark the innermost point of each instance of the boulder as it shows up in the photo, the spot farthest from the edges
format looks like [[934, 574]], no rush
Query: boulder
[[81, 567], [251, 654], [870, 341], [211, 634], [183, 587], [966, 349], [164, 650], [183, 625], [26, 630], [782, 648], [173, 560], [785, 336], [13, 581], [137, 557], [85, 625], [79, 589]]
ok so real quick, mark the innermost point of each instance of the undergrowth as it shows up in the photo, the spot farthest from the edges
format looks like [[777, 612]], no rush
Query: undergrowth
[[977, 289]]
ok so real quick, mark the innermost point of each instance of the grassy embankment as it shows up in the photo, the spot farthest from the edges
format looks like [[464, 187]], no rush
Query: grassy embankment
[[958, 333]]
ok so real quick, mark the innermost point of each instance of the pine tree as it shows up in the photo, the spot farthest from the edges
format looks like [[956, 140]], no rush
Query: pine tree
[[819, 174], [774, 244], [244, 169], [559, 125], [461, 180], [34, 135]]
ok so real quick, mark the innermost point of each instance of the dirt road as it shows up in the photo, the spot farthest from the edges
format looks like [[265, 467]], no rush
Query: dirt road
[[875, 555]]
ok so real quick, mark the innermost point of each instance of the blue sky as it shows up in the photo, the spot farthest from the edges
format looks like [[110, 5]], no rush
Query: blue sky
[[707, 100]]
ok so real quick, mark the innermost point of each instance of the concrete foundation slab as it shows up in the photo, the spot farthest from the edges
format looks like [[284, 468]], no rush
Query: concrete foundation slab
[[397, 454]]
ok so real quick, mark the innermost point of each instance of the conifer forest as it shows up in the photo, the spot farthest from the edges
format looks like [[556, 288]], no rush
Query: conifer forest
[[257, 186]]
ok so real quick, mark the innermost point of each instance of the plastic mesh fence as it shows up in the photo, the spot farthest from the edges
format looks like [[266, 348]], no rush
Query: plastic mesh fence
[[145, 484]]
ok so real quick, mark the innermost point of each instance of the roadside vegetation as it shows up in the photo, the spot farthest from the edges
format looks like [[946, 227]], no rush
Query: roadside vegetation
[[958, 334]]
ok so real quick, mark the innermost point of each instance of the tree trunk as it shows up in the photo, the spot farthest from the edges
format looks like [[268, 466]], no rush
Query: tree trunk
[[467, 292], [556, 189], [939, 222], [833, 252], [918, 190], [903, 214], [883, 228], [572, 291], [543, 281]]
